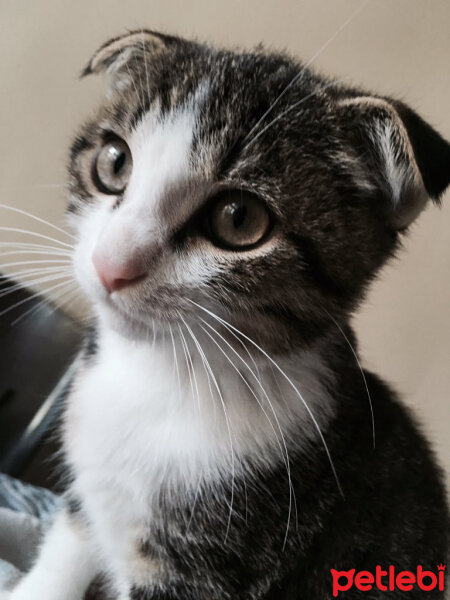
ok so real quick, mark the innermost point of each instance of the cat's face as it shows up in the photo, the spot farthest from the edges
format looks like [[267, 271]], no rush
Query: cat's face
[[216, 179]]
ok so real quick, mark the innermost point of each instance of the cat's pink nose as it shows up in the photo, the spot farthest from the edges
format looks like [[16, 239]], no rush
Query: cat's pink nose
[[117, 275]]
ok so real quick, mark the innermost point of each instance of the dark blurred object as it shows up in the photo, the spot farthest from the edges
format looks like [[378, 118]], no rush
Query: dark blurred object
[[36, 356]]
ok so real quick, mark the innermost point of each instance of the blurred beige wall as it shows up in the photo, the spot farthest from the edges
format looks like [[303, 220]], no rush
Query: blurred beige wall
[[398, 47]]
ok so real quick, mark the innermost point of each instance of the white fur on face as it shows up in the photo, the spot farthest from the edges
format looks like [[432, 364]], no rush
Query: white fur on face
[[160, 149], [160, 157]]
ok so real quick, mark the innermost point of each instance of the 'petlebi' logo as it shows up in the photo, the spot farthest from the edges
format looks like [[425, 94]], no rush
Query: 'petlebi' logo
[[388, 580]]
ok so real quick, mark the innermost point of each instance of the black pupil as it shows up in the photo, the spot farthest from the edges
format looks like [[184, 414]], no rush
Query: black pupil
[[119, 162], [239, 214]]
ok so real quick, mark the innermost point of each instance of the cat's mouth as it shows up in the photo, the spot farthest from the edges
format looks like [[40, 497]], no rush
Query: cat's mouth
[[129, 323], [136, 315]]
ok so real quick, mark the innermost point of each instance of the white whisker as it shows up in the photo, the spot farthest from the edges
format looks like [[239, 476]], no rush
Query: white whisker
[[227, 420], [34, 282], [36, 218], [175, 357], [46, 276], [44, 261], [194, 502], [287, 110], [40, 252], [36, 247], [193, 370], [362, 373], [188, 360], [43, 304], [147, 79], [76, 296], [288, 379], [282, 444], [21, 272], [39, 235], [29, 298], [302, 71]]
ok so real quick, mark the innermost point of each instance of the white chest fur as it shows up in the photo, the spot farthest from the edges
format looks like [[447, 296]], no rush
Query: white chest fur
[[137, 418]]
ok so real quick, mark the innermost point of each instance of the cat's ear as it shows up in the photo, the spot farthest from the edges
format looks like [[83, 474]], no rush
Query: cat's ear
[[402, 153], [118, 56]]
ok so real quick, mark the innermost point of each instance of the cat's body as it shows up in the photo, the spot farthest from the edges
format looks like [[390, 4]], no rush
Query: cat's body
[[180, 526], [222, 440]]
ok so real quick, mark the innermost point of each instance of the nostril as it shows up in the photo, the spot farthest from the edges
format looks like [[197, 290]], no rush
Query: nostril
[[114, 275]]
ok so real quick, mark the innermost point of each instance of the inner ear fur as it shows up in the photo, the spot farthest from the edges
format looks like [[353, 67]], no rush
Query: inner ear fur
[[407, 158], [119, 57], [119, 49]]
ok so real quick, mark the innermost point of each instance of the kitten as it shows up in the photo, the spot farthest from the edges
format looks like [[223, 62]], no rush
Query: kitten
[[223, 443]]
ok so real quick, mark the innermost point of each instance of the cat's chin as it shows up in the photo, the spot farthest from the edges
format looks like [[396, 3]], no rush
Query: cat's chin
[[133, 327]]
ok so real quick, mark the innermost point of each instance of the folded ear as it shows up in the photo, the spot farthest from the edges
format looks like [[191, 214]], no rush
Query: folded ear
[[403, 155], [119, 56]]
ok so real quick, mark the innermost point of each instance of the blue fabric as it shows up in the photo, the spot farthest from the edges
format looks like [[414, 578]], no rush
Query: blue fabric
[[24, 498], [25, 513]]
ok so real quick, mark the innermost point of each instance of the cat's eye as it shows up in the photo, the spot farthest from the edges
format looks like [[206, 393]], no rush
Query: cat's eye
[[238, 220], [112, 167]]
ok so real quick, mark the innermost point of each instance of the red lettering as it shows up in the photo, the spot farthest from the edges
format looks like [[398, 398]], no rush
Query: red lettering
[[421, 574], [379, 573], [391, 578], [405, 581], [364, 581], [337, 586], [441, 579]]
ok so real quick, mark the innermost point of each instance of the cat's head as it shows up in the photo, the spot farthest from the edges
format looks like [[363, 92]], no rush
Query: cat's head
[[241, 183]]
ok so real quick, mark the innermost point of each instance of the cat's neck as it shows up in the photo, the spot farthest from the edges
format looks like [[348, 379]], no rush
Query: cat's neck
[[221, 384], [169, 409]]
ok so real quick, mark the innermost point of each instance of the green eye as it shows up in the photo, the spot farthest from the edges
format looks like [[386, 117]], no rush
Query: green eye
[[238, 220], [112, 167]]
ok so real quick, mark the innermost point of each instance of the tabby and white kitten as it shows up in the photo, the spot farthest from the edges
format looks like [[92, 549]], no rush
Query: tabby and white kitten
[[231, 208]]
